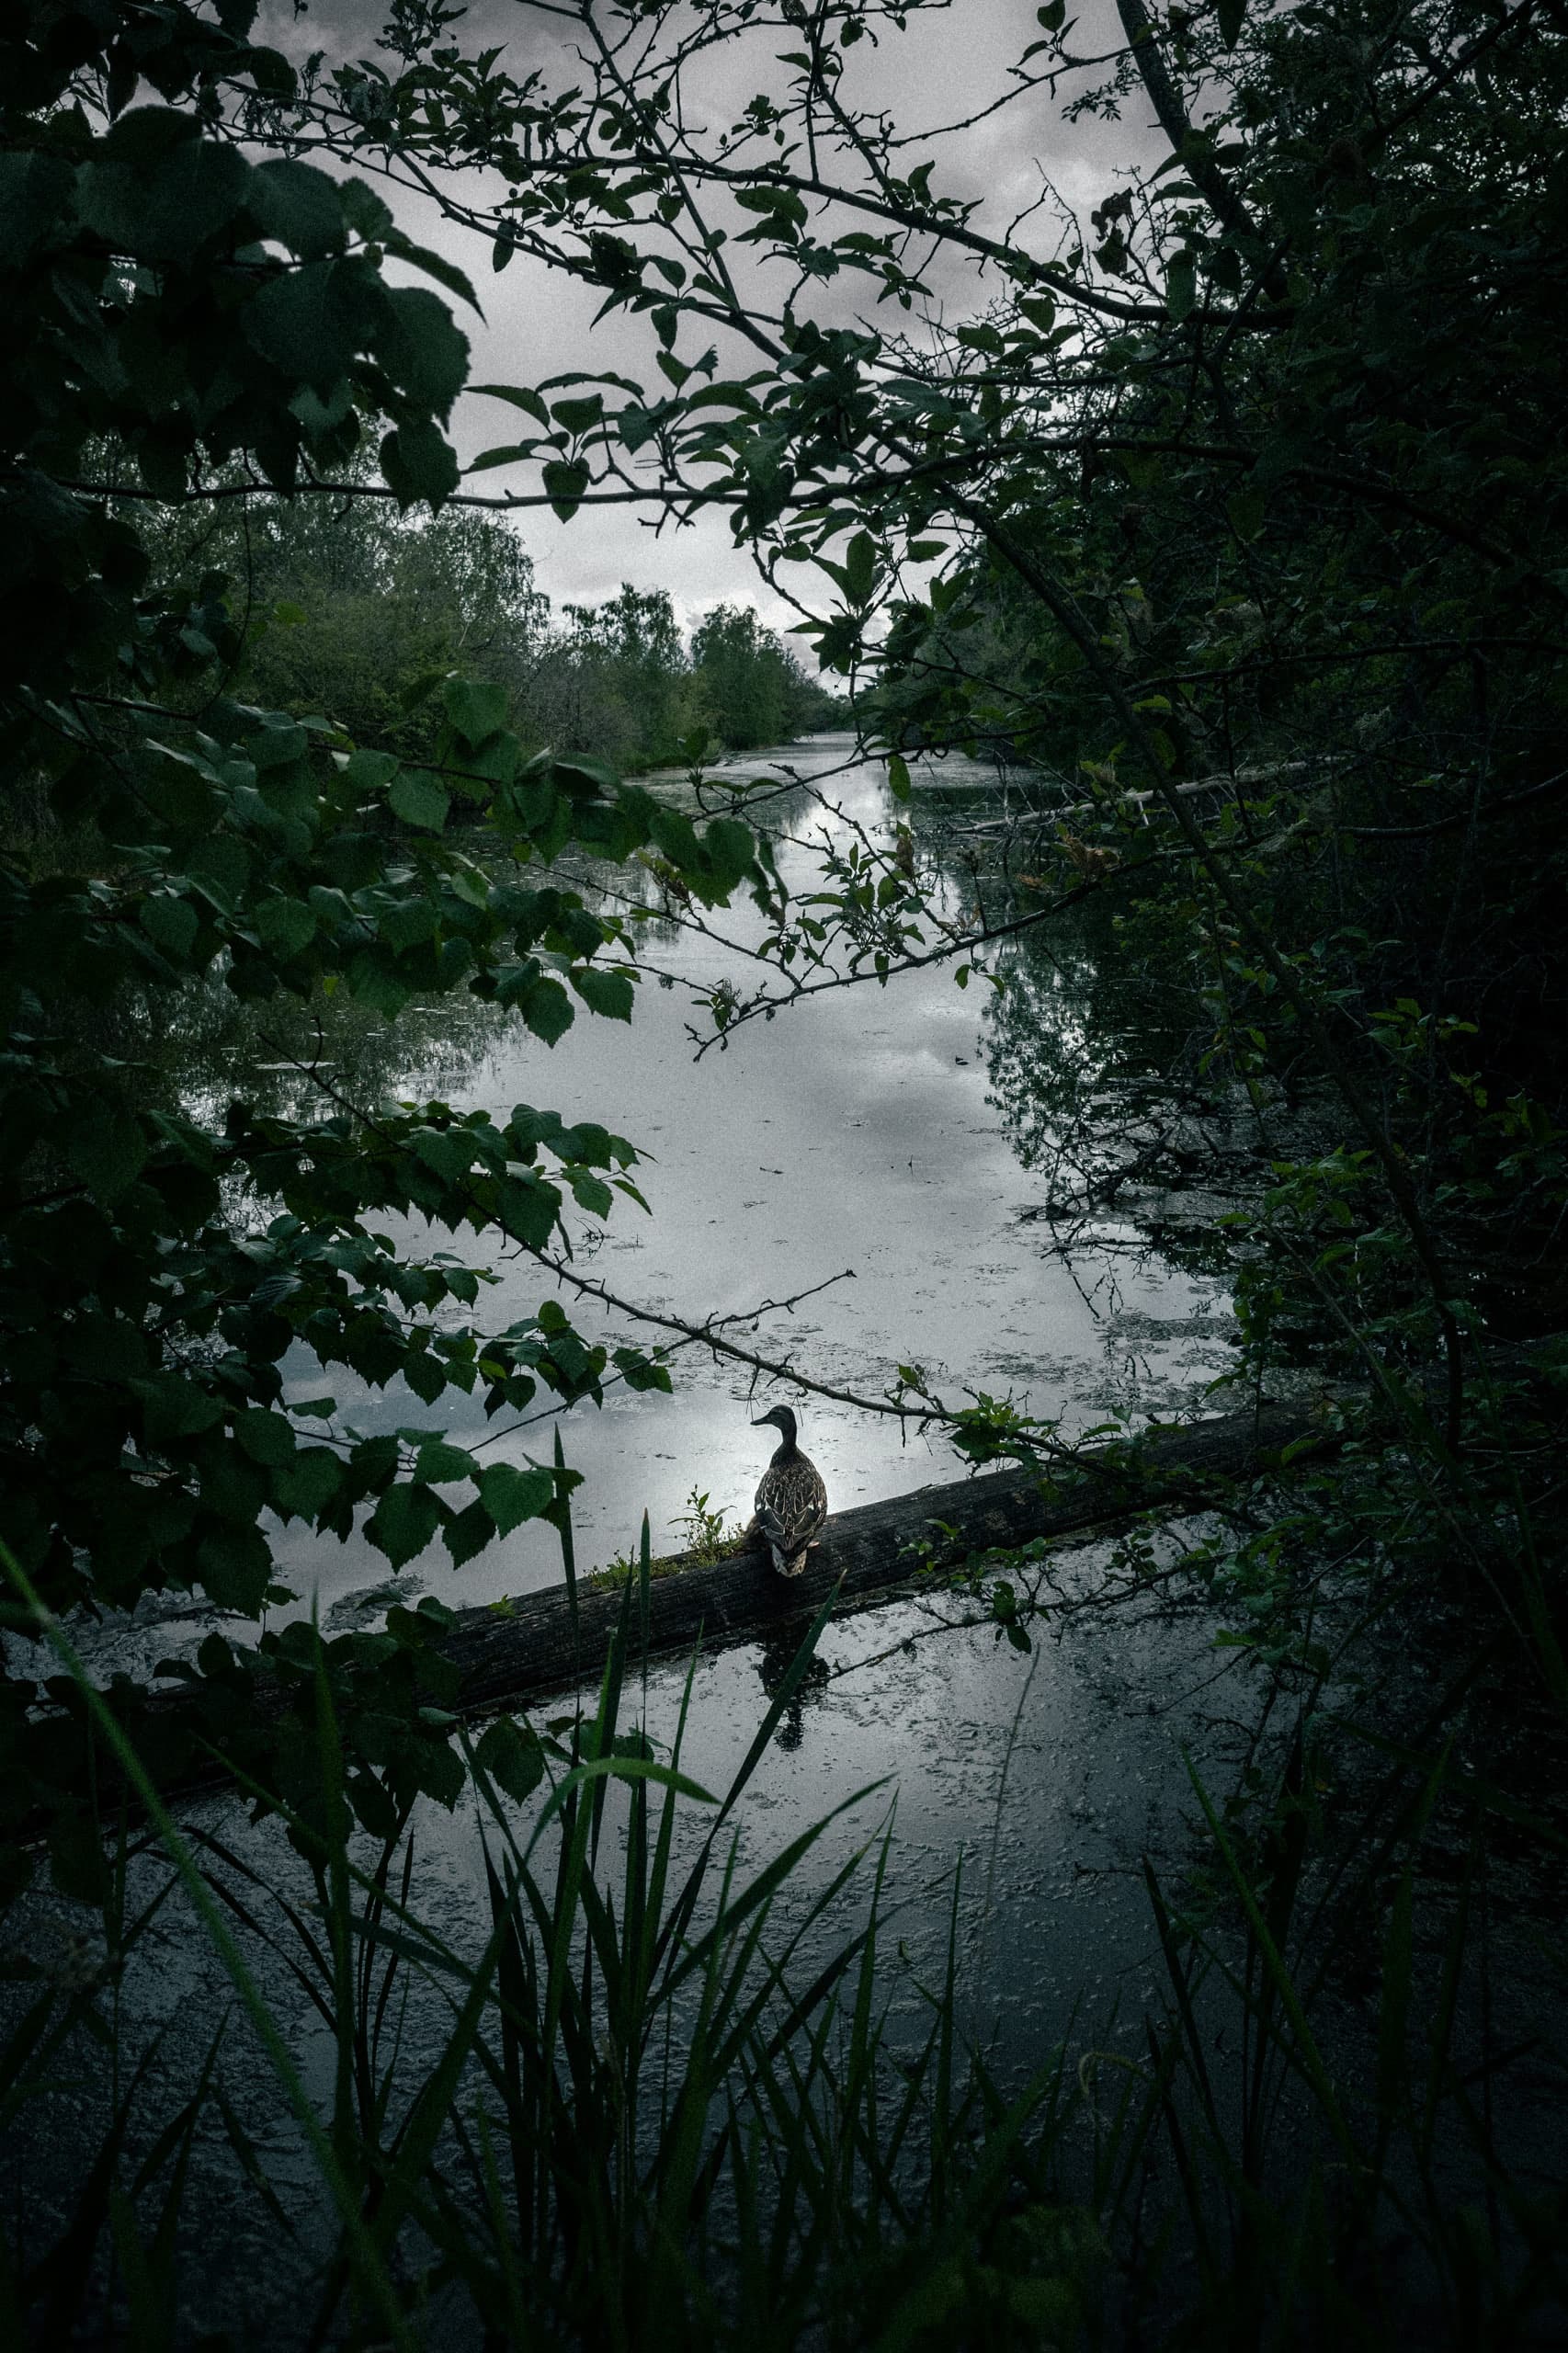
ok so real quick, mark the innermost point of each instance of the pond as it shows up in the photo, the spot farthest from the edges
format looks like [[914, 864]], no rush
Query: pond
[[897, 1137], [910, 1140], [857, 1136]]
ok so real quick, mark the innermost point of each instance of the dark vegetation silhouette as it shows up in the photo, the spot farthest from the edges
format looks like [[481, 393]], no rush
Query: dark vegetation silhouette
[[1229, 521]]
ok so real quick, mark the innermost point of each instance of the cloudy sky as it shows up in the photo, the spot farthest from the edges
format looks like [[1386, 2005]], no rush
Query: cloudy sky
[[952, 61]]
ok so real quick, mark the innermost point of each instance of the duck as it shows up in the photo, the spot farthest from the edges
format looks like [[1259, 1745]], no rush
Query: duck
[[792, 1500]]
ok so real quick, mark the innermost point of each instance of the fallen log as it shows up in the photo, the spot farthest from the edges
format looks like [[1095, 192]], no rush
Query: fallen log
[[546, 1641], [555, 1641]]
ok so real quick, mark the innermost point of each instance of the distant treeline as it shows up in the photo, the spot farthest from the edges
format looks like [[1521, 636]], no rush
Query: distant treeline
[[351, 608]]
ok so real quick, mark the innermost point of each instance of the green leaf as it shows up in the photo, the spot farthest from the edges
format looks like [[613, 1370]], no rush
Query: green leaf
[[278, 745], [266, 1438], [898, 777], [423, 348], [369, 772], [1231, 16], [420, 463], [468, 1533], [407, 922], [169, 923], [592, 1194], [144, 137], [303, 322], [404, 1522], [425, 1376], [518, 396], [507, 453], [270, 71], [446, 273], [511, 1496], [528, 1207], [860, 572], [609, 993], [373, 1805], [418, 799], [513, 1757], [364, 212], [175, 1408], [580, 416], [449, 1151], [222, 867], [477, 710], [287, 926], [309, 1483], [236, 1567], [298, 206], [192, 196], [108, 1150], [565, 485], [438, 1463], [546, 1009]]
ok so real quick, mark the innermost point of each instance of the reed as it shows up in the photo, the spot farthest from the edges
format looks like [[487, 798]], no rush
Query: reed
[[665, 2107]]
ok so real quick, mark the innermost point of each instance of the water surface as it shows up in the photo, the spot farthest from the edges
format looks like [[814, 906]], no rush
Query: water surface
[[854, 1131]]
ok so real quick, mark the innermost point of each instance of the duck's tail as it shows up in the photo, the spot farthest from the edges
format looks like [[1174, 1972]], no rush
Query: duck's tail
[[788, 1554]]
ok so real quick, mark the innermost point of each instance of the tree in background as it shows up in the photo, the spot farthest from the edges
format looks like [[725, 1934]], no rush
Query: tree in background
[[355, 605], [756, 688], [348, 606], [616, 678]]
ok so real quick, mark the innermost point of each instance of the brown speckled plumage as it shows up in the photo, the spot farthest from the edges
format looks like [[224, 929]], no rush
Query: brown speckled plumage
[[791, 1502]]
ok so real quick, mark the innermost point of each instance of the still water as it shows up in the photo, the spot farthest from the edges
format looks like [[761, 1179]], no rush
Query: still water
[[854, 1134], [899, 1133]]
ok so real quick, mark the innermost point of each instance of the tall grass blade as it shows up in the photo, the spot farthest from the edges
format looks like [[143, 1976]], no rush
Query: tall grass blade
[[368, 2269]]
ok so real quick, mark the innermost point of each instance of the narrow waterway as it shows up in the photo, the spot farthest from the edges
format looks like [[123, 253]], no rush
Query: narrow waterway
[[855, 1135], [899, 1133]]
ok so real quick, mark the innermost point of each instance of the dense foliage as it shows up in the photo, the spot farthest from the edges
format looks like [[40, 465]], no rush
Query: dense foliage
[[1243, 506], [174, 308], [349, 607], [1239, 506]]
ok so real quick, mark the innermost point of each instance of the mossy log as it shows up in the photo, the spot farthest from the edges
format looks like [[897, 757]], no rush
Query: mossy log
[[540, 1643]]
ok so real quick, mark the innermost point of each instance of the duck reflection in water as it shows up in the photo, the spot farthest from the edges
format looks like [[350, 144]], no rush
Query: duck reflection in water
[[779, 1654]]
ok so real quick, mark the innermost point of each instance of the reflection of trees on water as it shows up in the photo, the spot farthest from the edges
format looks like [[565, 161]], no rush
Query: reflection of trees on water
[[1092, 1079], [202, 1047], [1098, 1086]]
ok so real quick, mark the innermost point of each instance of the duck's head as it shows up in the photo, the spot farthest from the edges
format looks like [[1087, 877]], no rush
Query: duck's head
[[782, 1420]]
